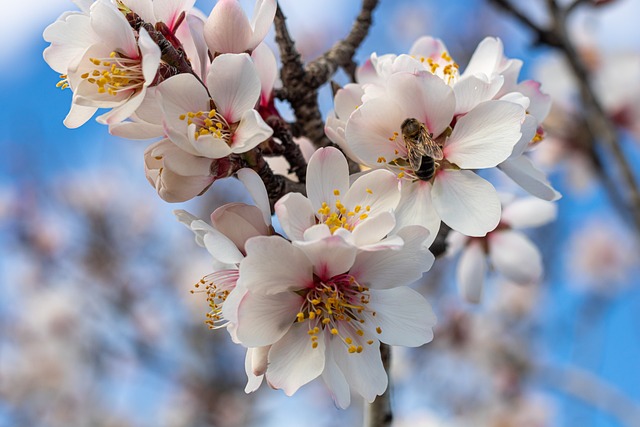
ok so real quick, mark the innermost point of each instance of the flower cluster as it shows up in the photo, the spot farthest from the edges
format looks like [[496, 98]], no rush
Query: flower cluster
[[318, 298]]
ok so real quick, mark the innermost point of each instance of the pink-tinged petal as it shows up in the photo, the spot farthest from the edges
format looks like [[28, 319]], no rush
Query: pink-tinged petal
[[251, 131], [124, 111], [335, 380], [193, 223], [366, 73], [262, 270], [257, 190], [403, 315], [267, 69], [347, 100], [230, 309], [515, 256], [234, 85], [540, 102], [222, 248], [295, 214], [174, 188], [472, 268], [168, 11], [529, 212], [466, 202], [259, 360], [473, 89], [143, 8], [370, 132], [373, 229], [200, 55], [78, 115], [227, 29], [425, 97], [416, 208], [364, 371], [263, 13], [379, 190], [427, 47], [528, 129], [265, 319], [385, 269], [293, 362], [330, 256], [485, 136], [69, 39], [522, 171], [327, 174], [239, 222], [456, 242], [113, 29], [486, 57], [253, 381], [150, 56], [180, 161]]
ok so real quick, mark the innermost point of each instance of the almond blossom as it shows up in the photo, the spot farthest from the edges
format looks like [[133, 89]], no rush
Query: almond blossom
[[325, 313], [360, 213], [219, 119], [508, 250], [228, 29]]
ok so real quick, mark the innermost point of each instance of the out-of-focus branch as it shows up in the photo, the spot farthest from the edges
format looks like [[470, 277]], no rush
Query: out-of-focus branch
[[599, 125], [378, 413], [300, 84], [290, 150]]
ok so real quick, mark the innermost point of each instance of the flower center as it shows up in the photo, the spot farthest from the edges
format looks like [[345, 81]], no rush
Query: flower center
[[338, 216], [217, 286], [442, 66], [208, 123], [337, 307], [115, 74]]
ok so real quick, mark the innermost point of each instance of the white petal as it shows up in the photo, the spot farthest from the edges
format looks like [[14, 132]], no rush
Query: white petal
[[263, 13], [416, 208], [222, 248], [267, 68], [253, 381], [403, 315], [522, 171], [540, 102], [207, 145], [251, 131], [335, 380], [379, 190], [425, 97], [113, 28], [486, 135], [273, 265], [515, 256], [486, 57], [327, 173], [347, 100], [374, 229], [364, 371], [265, 319], [428, 47], [239, 222], [466, 202], [234, 85], [293, 362], [295, 214], [257, 190], [330, 256], [227, 29], [150, 56], [471, 270], [529, 212], [318, 232], [78, 115], [474, 89], [390, 268]]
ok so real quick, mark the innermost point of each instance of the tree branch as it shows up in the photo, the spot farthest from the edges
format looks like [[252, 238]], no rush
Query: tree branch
[[378, 413]]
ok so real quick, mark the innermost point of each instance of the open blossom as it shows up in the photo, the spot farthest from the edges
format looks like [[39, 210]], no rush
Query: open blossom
[[508, 250], [228, 29], [324, 313], [361, 213], [217, 120]]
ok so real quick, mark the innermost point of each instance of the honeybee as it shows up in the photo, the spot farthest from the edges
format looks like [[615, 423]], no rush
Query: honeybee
[[422, 150]]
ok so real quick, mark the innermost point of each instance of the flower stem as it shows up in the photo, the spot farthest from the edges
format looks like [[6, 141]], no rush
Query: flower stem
[[378, 413]]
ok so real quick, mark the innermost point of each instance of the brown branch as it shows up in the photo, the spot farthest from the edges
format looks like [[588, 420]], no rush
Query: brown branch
[[378, 413], [544, 36], [290, 150]]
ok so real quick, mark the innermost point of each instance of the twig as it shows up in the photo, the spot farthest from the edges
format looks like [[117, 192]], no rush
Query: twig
[[291, 151], [378, 413]]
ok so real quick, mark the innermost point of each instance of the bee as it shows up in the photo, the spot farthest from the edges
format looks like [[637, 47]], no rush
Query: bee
[[422, 150]]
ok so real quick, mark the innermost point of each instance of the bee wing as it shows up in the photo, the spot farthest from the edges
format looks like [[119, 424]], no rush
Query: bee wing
[[414, 155], [431, 148]]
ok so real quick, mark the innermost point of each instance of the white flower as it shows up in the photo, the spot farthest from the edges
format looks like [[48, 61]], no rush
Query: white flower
[[360, 213], [507, 250], [323, 305], [482, 138], [217, 120], [228, 29]]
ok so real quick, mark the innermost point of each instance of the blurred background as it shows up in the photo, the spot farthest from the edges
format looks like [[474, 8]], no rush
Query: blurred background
[[98, 326]]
